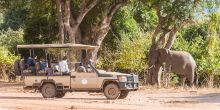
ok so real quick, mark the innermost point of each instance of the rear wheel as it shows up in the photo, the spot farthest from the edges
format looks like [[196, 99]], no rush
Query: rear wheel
[[123, 94], [112, 91], [60, 94], [48, 90]]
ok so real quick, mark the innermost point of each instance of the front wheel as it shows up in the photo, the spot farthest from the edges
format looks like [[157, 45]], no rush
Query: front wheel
[[123, 94], [112, 91], [48, 90]]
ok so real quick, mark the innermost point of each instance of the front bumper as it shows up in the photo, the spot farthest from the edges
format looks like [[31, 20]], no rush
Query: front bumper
[[128, 86]]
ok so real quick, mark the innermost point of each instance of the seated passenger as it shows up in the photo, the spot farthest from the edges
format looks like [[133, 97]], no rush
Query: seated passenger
[[43, 64], [49, 70], [31, 65], [63, 66], [81, 68], [30, 61]]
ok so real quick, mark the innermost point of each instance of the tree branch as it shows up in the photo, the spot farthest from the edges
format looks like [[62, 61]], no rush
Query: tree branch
[[115, 7], [161, 40], [67, 12], [157, 7], [85, 7], [156, 32], [171, 38], [104, 25]]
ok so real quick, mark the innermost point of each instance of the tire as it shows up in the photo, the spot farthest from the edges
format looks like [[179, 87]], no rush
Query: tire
[[60, 94], [123, 94], [112, 91], [48, 90]]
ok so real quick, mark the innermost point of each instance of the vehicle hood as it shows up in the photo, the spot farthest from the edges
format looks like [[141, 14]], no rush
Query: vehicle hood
[[114, 73]]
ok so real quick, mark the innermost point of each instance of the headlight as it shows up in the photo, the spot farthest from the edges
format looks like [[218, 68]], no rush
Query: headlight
[[122, 78]]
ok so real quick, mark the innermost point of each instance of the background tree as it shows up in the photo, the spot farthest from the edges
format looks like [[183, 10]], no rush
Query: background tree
[[172, 15]]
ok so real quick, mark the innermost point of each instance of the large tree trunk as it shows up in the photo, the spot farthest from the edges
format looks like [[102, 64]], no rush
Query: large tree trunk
[[60, 21], [70, 22], [100, 35], [102, 29], [171, 38], [164, 26]]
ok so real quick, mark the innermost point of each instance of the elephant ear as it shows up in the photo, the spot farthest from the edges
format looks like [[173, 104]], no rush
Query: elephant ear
[[162, 55]]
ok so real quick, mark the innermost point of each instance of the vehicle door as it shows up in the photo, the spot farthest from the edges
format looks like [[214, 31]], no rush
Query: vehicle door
[[84, 80]]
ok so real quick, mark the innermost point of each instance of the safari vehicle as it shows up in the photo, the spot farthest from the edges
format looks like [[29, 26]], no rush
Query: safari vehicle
[[113, 84]]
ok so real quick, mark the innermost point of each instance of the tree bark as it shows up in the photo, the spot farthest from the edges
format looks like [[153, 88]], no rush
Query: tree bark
[[102, 30], [70, 23], [171, 38], [162, 40], [155, 34], [85, 7], [60, 21]]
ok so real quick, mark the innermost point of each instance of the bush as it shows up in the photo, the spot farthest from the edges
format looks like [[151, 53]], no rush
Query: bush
[[6, 62], [130, 55]]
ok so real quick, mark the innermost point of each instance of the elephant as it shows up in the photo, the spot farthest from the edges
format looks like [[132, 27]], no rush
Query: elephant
[[180, 62]]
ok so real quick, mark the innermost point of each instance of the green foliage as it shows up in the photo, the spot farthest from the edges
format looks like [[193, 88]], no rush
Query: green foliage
[[173, 12], [14, 13], [108, 59], [132, 54], [41, 25], [193, 31], [10, 39], [205, 50], [14, 19], [129, 25], [144, 16], [125, 47], [6, 62], [6, 58], [211, 56], [1, 19]]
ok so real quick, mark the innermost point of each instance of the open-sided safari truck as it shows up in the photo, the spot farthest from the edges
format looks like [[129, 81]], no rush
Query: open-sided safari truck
[[114, 85]]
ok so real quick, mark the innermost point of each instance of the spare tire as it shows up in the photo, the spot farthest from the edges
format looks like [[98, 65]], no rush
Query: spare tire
[[17, 68]]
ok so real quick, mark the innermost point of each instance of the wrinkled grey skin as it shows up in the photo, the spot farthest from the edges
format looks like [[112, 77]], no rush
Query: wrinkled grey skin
[[180, 62]]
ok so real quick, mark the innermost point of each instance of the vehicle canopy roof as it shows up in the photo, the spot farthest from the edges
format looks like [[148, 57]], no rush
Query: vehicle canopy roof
[[66, 45]]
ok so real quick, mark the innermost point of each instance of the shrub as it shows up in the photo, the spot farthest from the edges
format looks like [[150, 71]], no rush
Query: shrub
[[6, 62]]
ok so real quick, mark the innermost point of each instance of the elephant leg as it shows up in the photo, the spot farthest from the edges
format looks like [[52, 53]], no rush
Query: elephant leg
[[190, 76], [182, 80], [152, 76], [159, 72]]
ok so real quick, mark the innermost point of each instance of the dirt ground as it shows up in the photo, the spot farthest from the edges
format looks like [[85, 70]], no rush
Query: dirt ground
[[12, 97]]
